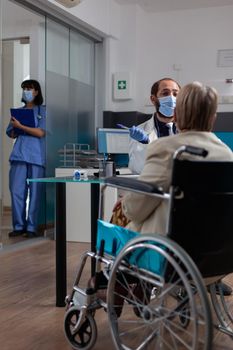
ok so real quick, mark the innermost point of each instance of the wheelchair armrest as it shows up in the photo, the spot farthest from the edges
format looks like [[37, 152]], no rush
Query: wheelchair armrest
[[133, 184]]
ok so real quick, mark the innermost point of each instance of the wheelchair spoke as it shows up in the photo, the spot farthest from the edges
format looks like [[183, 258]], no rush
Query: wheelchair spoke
[[164, 311]]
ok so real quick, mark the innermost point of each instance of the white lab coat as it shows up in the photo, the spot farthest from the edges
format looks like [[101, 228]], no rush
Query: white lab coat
[[137, 150]]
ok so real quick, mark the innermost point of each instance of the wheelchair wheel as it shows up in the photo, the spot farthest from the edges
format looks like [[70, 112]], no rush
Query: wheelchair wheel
[[85, 337], [156, 298], [222, 305]]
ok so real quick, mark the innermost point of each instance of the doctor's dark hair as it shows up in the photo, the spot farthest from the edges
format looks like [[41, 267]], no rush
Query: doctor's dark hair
[[155, 86], [33, 84], [196, 106]]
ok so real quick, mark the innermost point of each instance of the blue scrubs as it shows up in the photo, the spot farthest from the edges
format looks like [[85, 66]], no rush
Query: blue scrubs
[[27, 160]]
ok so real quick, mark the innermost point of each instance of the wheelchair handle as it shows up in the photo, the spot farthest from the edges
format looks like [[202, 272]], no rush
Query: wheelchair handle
[[197, 151], [134, 184]]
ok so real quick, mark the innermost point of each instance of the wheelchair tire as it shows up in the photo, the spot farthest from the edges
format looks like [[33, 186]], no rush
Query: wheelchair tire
[[222, 305], [162, 268], [86, 335]]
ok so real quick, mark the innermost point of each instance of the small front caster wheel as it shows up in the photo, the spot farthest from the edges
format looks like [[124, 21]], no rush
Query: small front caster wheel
[[85, 337]]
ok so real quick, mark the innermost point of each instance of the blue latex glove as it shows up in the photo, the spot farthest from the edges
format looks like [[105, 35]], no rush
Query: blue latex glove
[[138, 134]]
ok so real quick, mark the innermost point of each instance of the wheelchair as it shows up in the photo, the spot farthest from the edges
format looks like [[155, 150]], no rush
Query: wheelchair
[[162, 292]]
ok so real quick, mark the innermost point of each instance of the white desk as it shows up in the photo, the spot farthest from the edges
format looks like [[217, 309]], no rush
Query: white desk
[[78, 208]]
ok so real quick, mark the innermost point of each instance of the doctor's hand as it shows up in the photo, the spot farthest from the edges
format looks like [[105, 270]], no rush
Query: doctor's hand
[[138, 134]]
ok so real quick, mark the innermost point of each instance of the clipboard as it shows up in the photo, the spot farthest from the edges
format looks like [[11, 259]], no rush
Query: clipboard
[[25, 116]]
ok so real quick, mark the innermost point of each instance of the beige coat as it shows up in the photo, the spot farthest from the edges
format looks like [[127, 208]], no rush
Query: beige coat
[[149, 215]]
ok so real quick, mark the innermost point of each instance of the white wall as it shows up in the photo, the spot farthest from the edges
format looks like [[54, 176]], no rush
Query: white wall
[[149, 44], [26, 24], [122, 58], [95, 13], [188, 38]]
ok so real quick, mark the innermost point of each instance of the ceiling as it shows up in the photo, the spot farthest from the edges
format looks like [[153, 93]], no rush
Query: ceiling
[[172, 5]]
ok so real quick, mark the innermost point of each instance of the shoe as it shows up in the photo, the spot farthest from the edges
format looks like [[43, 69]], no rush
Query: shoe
[[226, 290], [99, 284], [222, 288], [99, 281], [15, 233], [30, 234]]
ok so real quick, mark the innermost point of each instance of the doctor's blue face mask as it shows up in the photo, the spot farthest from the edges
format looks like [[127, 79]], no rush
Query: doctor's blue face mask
[[167, 105], [27, 95]]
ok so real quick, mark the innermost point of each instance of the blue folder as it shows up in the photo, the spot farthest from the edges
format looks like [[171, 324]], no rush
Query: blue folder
[[25, 116]]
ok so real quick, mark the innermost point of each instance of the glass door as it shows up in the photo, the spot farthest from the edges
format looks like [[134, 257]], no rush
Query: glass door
[[70, 95], [70, 92]]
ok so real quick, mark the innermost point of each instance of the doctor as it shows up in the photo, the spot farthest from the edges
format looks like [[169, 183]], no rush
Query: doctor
[[163, 97]]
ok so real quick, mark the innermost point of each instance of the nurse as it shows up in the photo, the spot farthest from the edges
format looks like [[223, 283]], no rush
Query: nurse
[[27, 160], [163, 97]]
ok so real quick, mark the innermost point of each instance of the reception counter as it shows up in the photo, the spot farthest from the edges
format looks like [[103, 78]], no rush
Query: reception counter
[[78, 207]]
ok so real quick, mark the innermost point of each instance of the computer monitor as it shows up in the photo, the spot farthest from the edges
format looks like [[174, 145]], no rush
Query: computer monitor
[[112, 141]]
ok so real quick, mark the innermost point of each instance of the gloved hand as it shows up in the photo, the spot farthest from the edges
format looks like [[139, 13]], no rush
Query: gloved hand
[[138, 134]]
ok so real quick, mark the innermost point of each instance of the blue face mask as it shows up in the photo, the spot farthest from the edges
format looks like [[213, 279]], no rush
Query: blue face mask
[[27, 96], [167, 105]]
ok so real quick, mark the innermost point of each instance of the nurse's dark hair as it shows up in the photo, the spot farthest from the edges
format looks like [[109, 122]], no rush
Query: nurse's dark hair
[[155, 86], [33, 84]]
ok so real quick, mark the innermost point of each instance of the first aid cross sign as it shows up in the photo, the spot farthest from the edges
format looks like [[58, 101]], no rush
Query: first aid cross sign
[[121, 84]]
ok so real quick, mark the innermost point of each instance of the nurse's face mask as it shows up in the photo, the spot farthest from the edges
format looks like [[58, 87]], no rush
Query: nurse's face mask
[[28, 95], [167, 105]]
